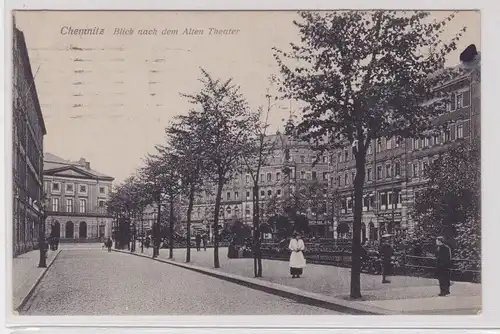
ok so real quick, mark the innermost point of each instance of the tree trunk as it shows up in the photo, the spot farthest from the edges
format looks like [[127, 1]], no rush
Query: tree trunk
[[256, 224], [171, 225], [189, 212], [156, 237], [216, 221], [356, 228]]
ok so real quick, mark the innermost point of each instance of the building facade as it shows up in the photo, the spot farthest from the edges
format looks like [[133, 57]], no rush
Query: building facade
[[396, 169], [28, 130], [77, 200], [274, 186]]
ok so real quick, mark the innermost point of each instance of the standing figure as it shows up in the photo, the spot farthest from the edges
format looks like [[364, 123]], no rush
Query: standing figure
[[204, 240], [443, 265], [108, 244], [297, 259], [386, 252], [198, 242]]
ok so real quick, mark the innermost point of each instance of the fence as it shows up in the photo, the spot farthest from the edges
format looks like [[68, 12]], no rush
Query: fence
[[403, 265]]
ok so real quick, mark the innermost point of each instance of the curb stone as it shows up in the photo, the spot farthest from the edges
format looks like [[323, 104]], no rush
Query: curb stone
[[306, 297], [34, 286]]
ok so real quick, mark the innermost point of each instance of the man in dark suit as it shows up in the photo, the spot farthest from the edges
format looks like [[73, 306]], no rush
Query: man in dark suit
[[443, 266]]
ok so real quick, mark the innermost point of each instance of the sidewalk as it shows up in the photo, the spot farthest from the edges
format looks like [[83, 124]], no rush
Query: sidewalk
[[404, 295], [26, 274]]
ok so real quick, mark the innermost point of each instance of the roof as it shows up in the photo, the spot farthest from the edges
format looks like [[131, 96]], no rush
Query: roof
[[52, 161]]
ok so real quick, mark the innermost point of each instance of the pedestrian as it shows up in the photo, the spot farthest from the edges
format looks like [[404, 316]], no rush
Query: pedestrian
[[108, 243], [443, 266], [204, 240], [198, 242], [386, 252], [297, 259]]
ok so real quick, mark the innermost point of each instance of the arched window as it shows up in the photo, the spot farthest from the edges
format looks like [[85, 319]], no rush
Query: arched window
[[82, 230], [70, 230]]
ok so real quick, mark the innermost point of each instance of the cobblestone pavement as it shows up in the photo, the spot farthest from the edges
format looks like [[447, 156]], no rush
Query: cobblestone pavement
[[95, 282], [323, 279]]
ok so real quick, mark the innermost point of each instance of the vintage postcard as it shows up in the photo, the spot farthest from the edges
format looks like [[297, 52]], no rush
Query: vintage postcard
[[246, 163]]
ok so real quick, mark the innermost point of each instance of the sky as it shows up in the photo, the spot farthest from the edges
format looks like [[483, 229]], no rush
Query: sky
[[107, 98]]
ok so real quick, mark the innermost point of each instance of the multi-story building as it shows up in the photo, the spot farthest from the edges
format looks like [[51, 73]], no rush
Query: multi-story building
[[28, 130], [274, 184], [396, 169], [77, 195]]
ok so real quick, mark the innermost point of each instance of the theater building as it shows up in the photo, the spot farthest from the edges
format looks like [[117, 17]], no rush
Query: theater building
[[77, 196]]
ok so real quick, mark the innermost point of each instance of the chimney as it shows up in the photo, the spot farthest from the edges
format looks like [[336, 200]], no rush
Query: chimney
[[84, 163], [87, 165]]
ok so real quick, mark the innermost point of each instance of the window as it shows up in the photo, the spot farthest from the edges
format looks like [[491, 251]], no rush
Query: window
[[302, 175], [248, 195], [388, 171], [353, 176], [460, 100], [69, 188], [83, 205], [236, 195], [278, 176], [425, 168], [427, 142], [383, 200], [228, 195], [56, 186], [436, 139], [349, 203], [269, 177], [102, 190], [278, 192], [366, 202], [346, 179], [339, 157], [415, 143], [262, 178], [314, 176], [101, 205], [302, 159], [466, 99], [369, 174], [55, 204], [69, 205], [325, 175], [228, 210], [379, 172], [448, 106], [388, 144], [269, 193], [415, 170], [397, 141], [83, 189], [325, 159], [247, 179], [447, 135], [247, 211], [460, 131], [397, 168], [308, 175], [379, 145], [346, 154], [338, 181], [262, 193], [452, 102], [369, 150]]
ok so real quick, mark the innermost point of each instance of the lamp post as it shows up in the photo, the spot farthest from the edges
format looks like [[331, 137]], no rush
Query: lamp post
[[42, 206]]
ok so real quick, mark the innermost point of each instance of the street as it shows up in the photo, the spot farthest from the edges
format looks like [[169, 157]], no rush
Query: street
[[95, 282]]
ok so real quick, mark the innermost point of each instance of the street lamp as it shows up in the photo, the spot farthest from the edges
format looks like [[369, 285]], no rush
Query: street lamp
[[42, 209]]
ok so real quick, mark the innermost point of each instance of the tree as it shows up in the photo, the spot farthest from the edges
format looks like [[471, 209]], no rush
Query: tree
[[364, 75], [225, 129], [257, 154], [450, 204], [188, 148], [161, 178]]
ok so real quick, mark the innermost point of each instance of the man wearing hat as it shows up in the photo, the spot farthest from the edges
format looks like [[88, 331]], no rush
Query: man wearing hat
[[443, 265], [386, 252]]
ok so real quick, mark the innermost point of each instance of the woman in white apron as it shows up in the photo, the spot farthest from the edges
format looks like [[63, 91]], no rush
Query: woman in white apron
[[297, 259]]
